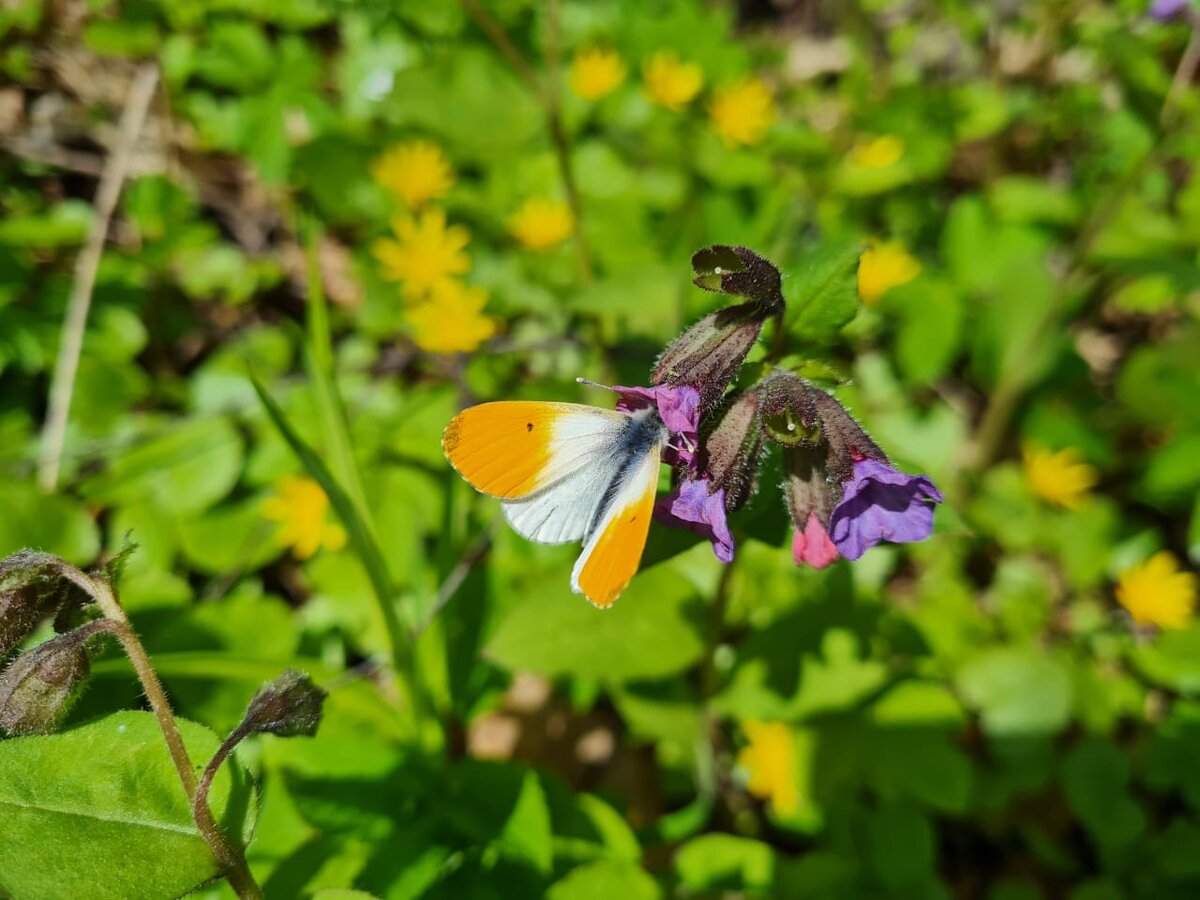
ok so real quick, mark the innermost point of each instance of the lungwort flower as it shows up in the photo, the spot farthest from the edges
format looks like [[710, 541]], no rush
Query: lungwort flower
[[596, 73], [881, 503], [1061, 478], [769, 760], [451, 320], [743, 112], [301, 507], [883, 267], [416, 172], [671, 82], [1157, 592], [843, 494], [424, 253], [540, 223]]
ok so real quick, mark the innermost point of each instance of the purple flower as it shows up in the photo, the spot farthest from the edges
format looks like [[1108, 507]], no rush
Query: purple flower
[[1167, 9], [812, 545], [880, 503], [691, 506], [679, 408]]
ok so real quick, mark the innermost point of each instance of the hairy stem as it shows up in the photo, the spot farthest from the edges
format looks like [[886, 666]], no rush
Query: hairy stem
[[229, 855]]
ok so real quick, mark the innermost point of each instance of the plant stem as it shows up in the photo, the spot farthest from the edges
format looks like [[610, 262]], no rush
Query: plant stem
[[228, 854], [231, 860], [62, 387], [102, 593]]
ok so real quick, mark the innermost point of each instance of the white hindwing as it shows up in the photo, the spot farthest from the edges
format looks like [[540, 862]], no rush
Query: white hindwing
[[560, 513]]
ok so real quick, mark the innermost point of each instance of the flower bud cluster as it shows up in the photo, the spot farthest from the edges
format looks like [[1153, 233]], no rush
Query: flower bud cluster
[[843, 494]]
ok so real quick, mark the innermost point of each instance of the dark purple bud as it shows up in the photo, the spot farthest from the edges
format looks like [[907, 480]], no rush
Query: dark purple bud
[[739, 271], [32, 588], [692, 506], [709, 354], [290, 705], [41, 685], [734, 448], [811, 498], [880, 504]]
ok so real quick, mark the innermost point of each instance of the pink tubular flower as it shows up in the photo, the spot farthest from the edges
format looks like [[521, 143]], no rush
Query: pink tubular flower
[[691, 506], [679, 408], [812, 545], [880, 503]]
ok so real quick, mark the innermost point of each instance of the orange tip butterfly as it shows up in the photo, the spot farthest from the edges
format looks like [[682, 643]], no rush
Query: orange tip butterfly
[[567, 472]]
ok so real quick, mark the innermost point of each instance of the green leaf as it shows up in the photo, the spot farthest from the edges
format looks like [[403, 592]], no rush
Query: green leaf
[[604, 880], [822, 294], [725, 862], [648, 633], [1096, 780], [185, 470], [1017, 691], [54, 523], [1172, 660], [99, 812]]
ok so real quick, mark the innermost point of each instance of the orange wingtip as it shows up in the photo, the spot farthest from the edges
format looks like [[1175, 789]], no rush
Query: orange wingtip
[[502, 448], [615, 558]]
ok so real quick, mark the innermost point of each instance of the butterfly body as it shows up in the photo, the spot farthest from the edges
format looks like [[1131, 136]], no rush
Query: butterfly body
[[567, 472]]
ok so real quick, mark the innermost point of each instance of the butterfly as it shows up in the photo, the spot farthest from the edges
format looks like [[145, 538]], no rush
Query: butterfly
[[567, 472]]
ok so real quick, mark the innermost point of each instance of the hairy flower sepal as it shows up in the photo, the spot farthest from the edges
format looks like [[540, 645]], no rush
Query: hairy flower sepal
[[709, 355], [32, 588], [881, 503], [810, 496], [733, 449], [41, 685]]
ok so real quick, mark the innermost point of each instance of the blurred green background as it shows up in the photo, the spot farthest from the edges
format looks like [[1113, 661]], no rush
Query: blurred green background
[[988, 219]]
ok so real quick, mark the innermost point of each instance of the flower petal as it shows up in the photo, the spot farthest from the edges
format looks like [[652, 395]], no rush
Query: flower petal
[[812, 545], [880, 504], [691, 506]]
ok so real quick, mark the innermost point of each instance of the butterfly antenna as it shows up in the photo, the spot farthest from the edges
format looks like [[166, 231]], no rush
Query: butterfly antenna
[[603, 387]]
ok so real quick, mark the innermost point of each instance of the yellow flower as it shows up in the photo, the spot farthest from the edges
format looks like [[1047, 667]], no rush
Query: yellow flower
[[877, 153], [416, 172], [541, 223], [452, 320], [770, 760], [299, 506], [670, 82], [741, 113], [1157, 592], [884, 267], [1060, 478], [425, 253], [596, 73]]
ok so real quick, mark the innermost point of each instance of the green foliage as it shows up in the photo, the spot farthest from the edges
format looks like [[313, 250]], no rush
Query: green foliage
[[259, 408], [75, 803]]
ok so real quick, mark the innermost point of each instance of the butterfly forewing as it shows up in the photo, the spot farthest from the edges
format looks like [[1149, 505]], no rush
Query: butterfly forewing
[[513, 449]]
